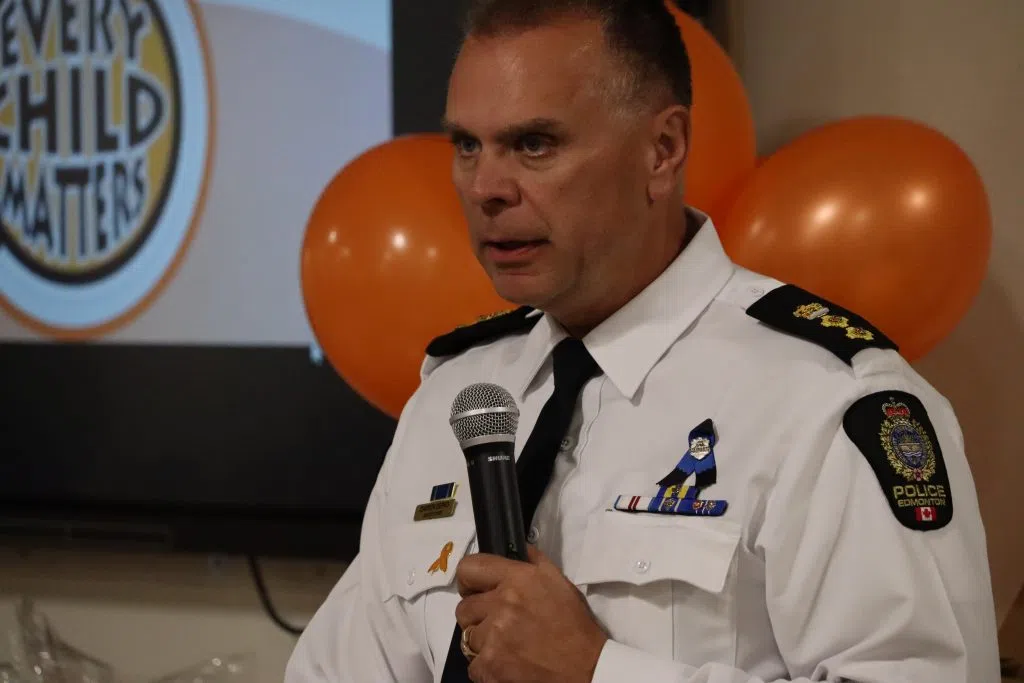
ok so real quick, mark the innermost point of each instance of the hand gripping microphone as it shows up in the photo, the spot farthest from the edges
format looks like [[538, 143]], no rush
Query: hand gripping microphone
[[485, 418]]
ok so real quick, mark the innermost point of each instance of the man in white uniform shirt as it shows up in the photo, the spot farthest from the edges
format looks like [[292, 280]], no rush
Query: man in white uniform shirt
[[753, 486]]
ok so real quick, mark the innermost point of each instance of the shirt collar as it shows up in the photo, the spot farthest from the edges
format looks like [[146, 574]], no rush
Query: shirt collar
[[630, 342]]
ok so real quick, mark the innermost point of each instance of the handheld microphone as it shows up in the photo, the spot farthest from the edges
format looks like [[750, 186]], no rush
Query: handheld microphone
[[485, 418]]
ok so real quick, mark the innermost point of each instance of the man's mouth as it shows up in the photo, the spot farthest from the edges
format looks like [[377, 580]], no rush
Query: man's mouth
[[514, 245], [512, 253]]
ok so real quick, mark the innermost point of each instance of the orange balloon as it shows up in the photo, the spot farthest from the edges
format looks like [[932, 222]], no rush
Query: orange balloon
[[723, 148], [387, 266], [884, 216]]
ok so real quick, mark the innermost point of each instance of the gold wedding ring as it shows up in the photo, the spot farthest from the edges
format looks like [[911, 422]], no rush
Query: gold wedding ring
[[464, 643]]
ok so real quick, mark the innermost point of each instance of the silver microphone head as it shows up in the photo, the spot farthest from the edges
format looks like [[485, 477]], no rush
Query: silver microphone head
[[484, 413]]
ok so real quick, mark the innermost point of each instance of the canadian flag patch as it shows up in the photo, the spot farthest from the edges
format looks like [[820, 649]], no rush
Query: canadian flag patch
[[925, 514]]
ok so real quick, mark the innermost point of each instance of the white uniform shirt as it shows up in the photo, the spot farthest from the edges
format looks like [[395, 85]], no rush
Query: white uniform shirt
[[808, 576]]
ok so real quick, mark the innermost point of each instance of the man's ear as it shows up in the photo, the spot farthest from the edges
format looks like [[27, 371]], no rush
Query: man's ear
[[670, 137]]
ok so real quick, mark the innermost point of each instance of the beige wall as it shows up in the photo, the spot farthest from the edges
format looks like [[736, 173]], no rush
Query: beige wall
[[956, 64]]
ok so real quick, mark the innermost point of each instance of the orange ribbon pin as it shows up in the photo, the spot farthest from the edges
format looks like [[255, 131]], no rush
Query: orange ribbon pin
[[442, 560]]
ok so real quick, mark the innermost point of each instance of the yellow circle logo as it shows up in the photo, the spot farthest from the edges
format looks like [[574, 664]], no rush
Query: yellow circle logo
[[104, 146]]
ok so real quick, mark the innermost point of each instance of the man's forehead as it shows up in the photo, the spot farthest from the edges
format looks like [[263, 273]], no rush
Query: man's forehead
[[488, 120], [510, 79], [569, 37]]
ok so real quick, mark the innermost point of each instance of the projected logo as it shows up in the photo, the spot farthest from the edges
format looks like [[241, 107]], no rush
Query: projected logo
[[104, 136]]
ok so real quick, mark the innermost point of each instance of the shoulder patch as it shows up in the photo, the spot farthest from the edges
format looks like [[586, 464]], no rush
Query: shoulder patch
[[486, 329], [794, 310], [893, 432]]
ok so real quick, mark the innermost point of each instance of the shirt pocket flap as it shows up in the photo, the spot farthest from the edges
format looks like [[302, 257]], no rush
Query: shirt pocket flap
[[641, 549], [424, 555]]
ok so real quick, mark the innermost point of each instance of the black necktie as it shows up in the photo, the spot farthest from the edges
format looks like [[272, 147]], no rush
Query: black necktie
[[573, 366]]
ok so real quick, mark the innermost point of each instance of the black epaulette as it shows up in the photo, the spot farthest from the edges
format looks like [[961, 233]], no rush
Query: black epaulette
[[798, 312], [486, 329]]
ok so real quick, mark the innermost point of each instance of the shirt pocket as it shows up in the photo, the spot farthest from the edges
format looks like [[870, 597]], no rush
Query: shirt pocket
[[421, 573], [662, 583]]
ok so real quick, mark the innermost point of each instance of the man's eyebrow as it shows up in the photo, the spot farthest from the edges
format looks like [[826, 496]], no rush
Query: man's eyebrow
[[509, 134], [452, 128]]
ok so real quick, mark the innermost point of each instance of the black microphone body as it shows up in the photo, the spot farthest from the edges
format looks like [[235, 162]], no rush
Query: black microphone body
[[485, 418], [495, 491]]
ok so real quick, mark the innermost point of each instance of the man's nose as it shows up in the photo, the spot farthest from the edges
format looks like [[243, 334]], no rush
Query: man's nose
[[493, 186]]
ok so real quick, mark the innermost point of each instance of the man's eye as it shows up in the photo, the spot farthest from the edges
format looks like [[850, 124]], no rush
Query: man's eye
[[535, 145], [465, 146]]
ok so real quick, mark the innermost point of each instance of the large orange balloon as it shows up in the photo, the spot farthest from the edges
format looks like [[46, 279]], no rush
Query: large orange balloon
[[723, 150], [386, 266], [882, 215]]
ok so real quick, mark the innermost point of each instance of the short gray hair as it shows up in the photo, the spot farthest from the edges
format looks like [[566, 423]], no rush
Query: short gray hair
[[642, 32]]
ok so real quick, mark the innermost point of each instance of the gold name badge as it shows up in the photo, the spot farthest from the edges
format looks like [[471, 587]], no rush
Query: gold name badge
[[435, 509]]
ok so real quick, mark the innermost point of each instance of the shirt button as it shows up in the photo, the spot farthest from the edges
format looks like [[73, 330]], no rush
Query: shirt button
[[411, 579], [567, 444], [534, 535], [641, 566], [756, 291]]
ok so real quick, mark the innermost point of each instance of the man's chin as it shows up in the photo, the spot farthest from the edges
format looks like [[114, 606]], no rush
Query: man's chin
[[521, 289]]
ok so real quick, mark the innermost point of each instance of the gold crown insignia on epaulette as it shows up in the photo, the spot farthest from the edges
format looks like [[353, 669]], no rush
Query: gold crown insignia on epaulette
[[796, 311], [486, 328], [820, 312], [487, 316]]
